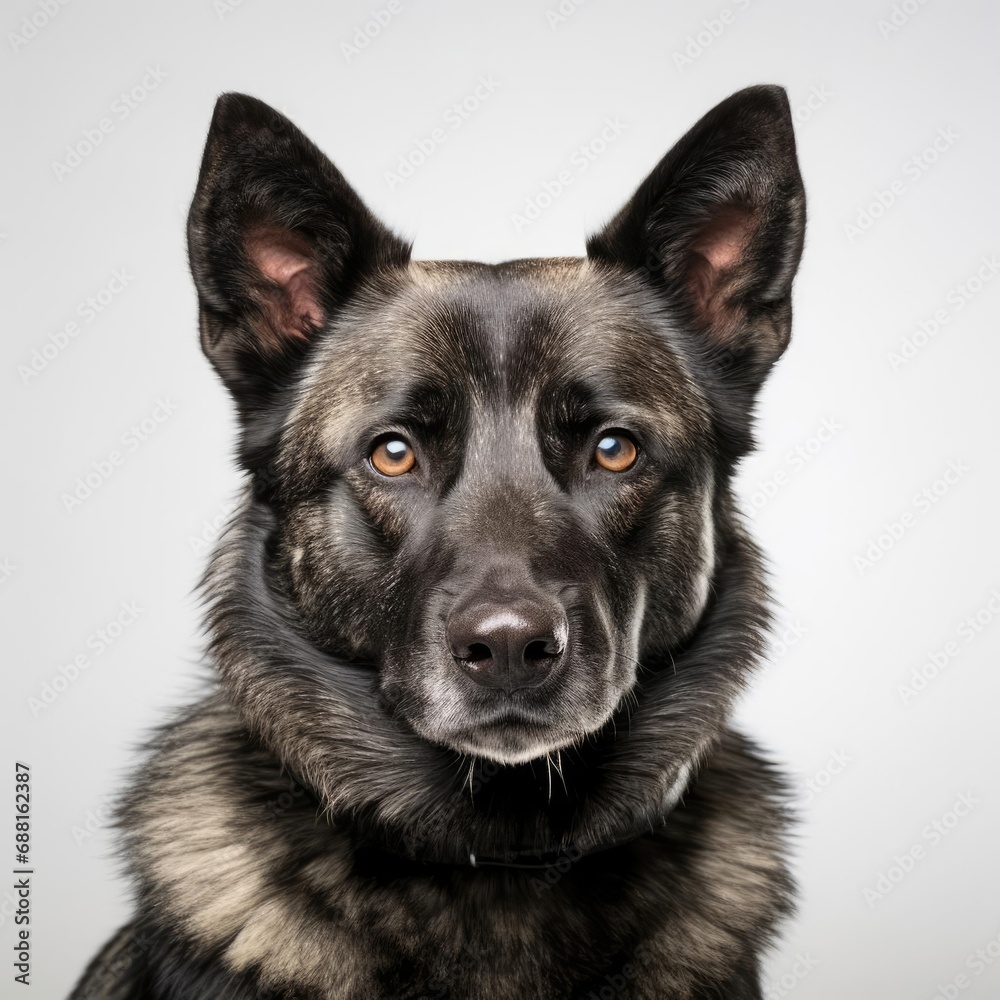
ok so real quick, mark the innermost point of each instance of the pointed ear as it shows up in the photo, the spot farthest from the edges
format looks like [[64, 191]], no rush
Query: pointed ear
[[278, 241], [718, 227]]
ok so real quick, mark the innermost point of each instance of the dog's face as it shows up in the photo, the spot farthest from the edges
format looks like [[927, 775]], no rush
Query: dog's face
[[510, 465], [497, 486]]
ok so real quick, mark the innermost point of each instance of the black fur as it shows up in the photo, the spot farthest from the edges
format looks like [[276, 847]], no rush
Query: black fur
[[469, 737]]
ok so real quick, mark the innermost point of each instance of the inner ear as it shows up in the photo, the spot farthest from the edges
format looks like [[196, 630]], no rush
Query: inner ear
[[716, 262], [287, 284], [723, 241]]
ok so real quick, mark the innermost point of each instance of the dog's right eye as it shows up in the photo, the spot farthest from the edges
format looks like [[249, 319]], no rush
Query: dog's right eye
[[392, 457]]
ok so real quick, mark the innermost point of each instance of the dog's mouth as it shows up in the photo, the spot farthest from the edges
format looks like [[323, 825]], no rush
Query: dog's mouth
[[510, 676], [510, 737], [515, 727]]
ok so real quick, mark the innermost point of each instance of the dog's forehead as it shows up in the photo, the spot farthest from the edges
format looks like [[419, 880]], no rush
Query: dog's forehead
[[508, 336]]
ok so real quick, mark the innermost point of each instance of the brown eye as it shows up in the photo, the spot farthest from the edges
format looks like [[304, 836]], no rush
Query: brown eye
[[616, 452], [393, 457]]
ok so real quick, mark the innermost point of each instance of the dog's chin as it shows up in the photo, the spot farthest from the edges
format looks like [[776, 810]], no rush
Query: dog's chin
[[509, 741]]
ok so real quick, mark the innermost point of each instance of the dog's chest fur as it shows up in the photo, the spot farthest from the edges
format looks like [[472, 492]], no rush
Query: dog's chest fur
[[235, 860]]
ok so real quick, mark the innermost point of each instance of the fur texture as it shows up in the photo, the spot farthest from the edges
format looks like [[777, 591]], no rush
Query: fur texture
[[469, 737]]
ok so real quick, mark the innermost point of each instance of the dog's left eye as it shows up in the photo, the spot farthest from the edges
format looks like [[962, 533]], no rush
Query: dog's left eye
[[616, 452], [393, 457]]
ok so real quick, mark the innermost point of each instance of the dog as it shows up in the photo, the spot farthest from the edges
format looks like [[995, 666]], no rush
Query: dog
[[481, 617]]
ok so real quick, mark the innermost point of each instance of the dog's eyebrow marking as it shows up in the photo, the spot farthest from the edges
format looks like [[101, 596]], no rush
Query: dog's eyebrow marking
[[584, 405]]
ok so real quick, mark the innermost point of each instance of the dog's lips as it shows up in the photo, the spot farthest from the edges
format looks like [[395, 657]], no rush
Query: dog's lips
[[519, 754], [509, 727], [507, 720], [510, 737]]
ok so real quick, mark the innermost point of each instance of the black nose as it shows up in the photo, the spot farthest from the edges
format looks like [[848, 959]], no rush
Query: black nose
[[510, 644]]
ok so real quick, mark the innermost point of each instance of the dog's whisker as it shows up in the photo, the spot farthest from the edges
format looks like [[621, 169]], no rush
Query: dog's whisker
[[562, 777]]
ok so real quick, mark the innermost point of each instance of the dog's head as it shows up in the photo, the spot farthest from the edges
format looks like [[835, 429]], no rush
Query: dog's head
[[499, 493]]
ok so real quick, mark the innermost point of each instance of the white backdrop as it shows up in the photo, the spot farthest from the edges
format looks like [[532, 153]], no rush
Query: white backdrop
[[872, 492]]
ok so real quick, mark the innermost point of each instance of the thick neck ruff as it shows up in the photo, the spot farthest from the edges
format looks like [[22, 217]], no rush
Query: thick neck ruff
[[396, 791]]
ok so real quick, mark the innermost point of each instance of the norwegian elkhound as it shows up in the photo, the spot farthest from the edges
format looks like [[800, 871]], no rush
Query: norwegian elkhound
[[481, 619]]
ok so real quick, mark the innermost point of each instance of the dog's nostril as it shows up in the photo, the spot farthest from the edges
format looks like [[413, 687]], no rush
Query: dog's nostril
[[541, 649], [478, 652]]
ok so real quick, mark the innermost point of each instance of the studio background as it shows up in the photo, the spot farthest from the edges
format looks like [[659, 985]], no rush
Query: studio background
[[873, 493]]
